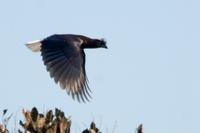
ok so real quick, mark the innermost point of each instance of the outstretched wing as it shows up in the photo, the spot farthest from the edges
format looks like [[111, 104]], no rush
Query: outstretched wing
[[66, 63]]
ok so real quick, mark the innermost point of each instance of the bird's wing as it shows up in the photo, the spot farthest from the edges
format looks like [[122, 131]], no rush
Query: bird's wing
[[66, 64]]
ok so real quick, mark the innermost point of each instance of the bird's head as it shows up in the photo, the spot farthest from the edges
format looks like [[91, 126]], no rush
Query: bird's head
[[103, 43], [100, 43], [94, 43]]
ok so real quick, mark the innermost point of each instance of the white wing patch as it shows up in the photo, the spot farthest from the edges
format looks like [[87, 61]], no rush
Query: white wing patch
[[35, 46]]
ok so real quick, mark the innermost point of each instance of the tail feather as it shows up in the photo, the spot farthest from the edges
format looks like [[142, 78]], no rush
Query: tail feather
[[35, 46]]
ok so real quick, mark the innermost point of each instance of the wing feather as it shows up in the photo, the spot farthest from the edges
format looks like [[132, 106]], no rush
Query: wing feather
[[66, 64]]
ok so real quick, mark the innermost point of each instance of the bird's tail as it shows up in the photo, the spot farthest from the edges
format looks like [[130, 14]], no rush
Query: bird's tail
[[35, 46]]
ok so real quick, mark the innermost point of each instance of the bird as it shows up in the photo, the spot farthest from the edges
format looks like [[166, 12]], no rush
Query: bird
[[64, 58]]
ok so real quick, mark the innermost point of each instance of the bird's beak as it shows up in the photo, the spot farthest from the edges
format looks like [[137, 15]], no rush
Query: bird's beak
[[103, 43], [105, 46]]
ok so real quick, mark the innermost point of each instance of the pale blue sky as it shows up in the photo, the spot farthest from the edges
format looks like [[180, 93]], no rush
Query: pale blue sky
[[150, 74]]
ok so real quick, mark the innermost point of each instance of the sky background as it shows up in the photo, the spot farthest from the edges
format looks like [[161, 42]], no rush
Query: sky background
[[150, 74]]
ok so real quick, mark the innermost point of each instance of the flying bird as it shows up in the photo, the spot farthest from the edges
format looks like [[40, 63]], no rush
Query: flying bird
[[64, 58]]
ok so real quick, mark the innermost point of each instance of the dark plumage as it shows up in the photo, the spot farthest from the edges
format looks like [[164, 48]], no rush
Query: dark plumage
[[64, 57]]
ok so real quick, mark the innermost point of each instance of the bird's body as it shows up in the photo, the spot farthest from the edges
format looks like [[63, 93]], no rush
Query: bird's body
[[64, 57]]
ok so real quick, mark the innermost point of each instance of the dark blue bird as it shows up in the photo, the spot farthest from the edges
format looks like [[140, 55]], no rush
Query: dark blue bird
[[64, 57]]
